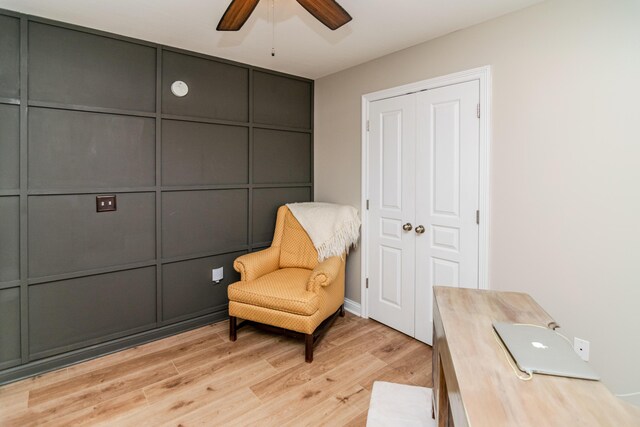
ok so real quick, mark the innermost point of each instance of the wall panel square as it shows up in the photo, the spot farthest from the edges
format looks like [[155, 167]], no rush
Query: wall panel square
[[9, 325], [9, 57], [281, 157], [71, 149], [195, 222], [72, 67], [9, 238], [187, 289], [66, 234], [266, 202], [71, 313], [280, 100], [216, 90], [9, 147], [201, 153]]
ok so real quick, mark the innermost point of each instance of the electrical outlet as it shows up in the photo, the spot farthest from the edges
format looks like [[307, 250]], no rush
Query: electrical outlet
[[106, 203], [217, 274], [582, 348]]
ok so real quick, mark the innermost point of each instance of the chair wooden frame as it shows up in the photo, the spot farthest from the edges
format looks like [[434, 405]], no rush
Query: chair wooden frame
[[309, 339]]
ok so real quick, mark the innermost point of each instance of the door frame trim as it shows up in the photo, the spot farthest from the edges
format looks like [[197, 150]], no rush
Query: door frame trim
[[483, 75]]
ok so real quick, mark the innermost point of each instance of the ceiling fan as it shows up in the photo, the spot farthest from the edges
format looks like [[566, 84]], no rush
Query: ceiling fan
[[329, 12]]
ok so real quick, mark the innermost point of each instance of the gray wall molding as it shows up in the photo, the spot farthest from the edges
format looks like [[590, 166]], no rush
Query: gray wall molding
[[194, 186]]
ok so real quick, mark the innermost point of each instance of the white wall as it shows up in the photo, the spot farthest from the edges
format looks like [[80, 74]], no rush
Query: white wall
[[565, 161]]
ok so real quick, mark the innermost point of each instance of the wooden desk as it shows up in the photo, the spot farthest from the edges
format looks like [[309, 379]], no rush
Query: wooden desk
[[473, 384]]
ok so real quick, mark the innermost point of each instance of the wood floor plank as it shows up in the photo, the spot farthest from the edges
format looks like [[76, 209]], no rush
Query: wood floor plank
[[342, 331], [286, 407], [77, 399], [397, 347], [208, 333], [201, 378], [415, 366], [197, 394], [387, 374], [33, 382], [359, 420], [218, 412], [335, 410], [305, 372], [220, 368], [103, 411], [356, 329], [113, 372], [12, 404], [222, 350], [295, 355]]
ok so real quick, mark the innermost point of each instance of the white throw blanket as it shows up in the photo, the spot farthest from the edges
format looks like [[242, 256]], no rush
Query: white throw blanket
[[332, 228]]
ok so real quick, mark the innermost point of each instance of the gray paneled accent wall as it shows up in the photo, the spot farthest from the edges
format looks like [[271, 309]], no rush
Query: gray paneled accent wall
[[81, 69], [218, 90], [9, 239], [197, 180], [9, 146], [67, 235], [99, 150], [214, 153], [9, 318], [10, 54]]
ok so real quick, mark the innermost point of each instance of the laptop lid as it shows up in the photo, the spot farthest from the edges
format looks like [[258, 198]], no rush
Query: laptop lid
[[543, 351]]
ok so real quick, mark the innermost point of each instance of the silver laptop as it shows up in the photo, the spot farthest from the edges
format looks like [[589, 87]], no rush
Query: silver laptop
[[542, 351]]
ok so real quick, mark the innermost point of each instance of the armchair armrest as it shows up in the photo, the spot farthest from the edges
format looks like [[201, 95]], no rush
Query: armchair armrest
[[256, 264], [324, 273]]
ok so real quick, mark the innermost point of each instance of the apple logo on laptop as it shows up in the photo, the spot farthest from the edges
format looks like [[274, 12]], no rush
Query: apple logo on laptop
[[537, 344]]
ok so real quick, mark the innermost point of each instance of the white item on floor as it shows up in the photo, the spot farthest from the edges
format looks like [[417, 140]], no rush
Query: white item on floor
[[399, 405], [332, 228]]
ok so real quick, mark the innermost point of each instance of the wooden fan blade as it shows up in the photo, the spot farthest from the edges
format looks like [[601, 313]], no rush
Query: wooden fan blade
[[329, 12], [236, 15]]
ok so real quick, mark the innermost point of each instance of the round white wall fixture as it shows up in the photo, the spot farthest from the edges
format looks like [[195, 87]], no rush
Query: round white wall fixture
[[179, 88]]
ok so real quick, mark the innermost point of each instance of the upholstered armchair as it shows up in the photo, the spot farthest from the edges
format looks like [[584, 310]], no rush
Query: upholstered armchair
[[285, 288]]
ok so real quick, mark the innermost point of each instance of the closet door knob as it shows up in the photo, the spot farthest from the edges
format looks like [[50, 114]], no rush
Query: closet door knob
[[407, 227], [420, 229]]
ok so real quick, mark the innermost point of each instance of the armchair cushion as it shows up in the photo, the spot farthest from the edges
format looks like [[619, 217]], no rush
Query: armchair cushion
[[256, 264], [296, 248], [282, 290]]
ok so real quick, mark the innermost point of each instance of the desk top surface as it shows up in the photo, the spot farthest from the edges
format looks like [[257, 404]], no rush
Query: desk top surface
[[491, 393]]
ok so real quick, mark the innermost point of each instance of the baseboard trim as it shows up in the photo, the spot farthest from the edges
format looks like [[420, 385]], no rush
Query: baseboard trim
[[353, 307]]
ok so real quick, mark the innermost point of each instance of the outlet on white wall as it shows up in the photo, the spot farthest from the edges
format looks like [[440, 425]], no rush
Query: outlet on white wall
[[582, 348]]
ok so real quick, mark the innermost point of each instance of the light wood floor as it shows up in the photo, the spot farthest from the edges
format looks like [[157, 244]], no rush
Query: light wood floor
[[201, 378]]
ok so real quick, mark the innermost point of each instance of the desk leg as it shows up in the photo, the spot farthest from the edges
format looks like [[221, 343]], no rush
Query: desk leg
[[434, 375], [435, 362], [444, 410], [440, 409]]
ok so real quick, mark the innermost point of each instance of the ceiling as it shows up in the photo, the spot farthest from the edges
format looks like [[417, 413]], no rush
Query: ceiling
[[303, 46]]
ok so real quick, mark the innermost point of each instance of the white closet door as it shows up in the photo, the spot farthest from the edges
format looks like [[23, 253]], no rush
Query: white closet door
[[391, 255], [446, 194]]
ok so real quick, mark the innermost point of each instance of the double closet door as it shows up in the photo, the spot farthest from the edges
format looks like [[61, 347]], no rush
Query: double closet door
[[423, 201]]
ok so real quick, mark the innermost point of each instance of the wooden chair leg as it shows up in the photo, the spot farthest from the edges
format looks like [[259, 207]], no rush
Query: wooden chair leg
[[233, 334], [342, 310], [308, 348]]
